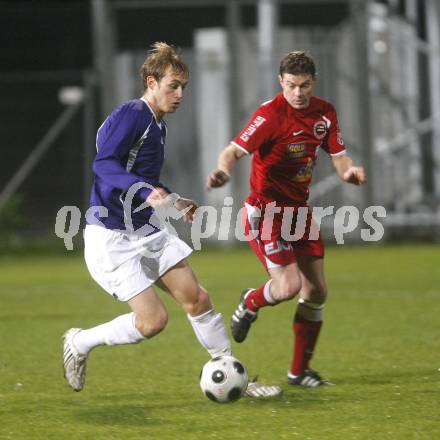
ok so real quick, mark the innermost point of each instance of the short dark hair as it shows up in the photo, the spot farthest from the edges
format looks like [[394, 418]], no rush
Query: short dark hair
[[298, 63], [161, 57]]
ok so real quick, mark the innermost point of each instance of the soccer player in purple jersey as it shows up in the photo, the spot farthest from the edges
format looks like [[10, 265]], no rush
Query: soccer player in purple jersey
[[125, 262]]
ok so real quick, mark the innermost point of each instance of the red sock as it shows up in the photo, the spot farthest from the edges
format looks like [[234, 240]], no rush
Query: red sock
[[256, 299], [306, 335]]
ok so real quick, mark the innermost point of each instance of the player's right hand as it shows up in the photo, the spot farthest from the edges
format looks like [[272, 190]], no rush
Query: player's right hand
[[217, 179], [188, 206], [158, 198]]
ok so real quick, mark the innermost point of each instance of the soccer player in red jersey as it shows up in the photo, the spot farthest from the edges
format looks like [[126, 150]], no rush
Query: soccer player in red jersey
[[284, 136]]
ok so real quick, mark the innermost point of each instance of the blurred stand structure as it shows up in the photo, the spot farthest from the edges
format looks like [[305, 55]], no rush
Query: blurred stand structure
[[378, 62]]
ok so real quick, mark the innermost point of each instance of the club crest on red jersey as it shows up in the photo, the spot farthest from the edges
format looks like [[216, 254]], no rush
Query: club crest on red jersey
[[320, 129]]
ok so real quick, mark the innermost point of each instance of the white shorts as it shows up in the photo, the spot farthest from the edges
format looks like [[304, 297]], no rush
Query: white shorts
[[126, 264]]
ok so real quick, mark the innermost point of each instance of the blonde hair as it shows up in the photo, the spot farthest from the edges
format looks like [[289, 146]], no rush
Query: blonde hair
[[161, 57]]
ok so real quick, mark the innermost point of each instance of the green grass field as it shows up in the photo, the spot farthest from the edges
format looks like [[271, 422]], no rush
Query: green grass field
[[380, 345]]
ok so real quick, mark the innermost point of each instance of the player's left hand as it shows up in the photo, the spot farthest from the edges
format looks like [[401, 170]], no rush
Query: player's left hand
[[188, 205], [355, 175]]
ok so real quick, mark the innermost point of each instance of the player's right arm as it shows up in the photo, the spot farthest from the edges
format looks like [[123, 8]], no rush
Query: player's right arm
[[225, 164], [258, 131]]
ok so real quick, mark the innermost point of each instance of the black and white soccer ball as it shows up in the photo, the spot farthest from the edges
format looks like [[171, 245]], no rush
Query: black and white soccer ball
[[223, 379]]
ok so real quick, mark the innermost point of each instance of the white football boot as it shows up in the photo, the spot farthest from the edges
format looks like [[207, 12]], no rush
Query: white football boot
[[256, 389], [74, 362]]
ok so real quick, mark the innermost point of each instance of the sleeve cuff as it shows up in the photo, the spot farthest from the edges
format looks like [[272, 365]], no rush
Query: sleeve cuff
[[144, 193], [239, 147], [165, 188], [340, 153]]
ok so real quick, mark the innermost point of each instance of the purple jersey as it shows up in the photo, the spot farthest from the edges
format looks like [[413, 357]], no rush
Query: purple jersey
[[130, 150]]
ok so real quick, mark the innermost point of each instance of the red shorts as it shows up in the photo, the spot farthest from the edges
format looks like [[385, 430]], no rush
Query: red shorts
[[276, 242]]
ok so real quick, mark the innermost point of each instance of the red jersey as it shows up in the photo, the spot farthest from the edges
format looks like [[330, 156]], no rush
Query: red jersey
[[285, 144]]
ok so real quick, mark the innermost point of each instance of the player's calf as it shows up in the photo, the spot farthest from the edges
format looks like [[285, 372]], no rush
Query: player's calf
[[197, 303], [285, 288], [211, 332]]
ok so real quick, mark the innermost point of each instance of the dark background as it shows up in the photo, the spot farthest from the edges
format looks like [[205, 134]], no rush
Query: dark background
[[46, 45]]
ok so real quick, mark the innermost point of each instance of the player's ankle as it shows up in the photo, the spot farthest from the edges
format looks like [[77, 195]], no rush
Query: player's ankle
[[250, 304]]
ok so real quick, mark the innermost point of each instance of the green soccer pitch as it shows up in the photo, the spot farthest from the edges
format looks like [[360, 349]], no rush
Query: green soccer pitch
[[380, 346]]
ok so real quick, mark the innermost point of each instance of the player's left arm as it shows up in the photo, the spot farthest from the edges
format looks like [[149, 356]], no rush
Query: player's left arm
[[348, 172], [335, 146]]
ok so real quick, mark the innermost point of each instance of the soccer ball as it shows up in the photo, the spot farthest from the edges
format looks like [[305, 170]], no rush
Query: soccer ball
[[223, 379]]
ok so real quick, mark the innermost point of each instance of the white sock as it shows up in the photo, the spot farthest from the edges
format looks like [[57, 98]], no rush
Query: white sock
[[122, 330], [310, 311], [266, 293], [211, 332]]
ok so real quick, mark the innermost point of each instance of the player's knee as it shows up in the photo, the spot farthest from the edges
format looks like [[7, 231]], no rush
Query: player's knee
[[318, 294], [153, 325], [323, 293]]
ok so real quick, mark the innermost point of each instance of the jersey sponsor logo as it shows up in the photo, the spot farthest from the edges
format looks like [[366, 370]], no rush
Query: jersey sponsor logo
[[320, 129], [276, 246], [250, 130], [296, 150], [304, 174]]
